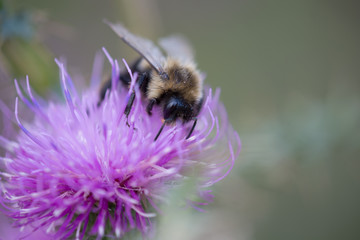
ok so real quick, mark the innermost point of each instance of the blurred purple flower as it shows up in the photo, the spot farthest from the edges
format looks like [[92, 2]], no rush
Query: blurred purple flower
[[10, 233], [78, 170]]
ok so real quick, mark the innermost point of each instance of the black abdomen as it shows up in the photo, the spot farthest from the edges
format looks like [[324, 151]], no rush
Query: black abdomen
[[125, 78]]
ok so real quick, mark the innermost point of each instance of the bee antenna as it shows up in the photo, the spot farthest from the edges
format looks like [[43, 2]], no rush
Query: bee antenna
[[158, 134], [192, 129]]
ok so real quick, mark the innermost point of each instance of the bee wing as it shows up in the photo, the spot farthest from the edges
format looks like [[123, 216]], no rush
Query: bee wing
[[144, 47], [178, 47]]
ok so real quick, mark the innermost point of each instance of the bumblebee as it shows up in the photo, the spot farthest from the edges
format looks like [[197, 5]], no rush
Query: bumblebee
[[172, 82]]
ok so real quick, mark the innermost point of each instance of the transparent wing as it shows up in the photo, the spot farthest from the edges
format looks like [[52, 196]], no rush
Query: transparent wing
[[144, 47], [177, 47]]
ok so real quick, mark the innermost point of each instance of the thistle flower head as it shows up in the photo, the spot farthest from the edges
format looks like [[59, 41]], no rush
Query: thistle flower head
[[79, 169]]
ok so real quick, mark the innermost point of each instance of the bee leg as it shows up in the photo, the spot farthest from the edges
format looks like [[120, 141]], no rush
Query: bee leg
[[150, 106], [192, 129], [129, 106], [158, 134], [142, 79]]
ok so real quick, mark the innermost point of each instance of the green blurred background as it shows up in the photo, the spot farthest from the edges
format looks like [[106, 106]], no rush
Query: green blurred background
[[289, 74]]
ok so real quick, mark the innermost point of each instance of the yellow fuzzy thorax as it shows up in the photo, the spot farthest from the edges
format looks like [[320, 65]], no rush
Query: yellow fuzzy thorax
[[184, 79]]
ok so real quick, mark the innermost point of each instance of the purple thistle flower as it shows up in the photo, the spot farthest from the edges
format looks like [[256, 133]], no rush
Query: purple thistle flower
[[78, 169]]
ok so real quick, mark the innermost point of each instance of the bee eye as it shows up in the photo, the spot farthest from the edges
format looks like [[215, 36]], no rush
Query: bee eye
[[170, 111], [172, 108]]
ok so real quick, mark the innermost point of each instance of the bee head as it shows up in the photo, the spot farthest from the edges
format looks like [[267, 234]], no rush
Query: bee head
[[176, 107]]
